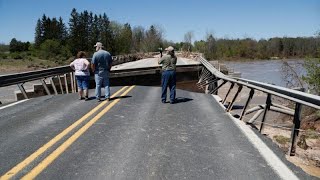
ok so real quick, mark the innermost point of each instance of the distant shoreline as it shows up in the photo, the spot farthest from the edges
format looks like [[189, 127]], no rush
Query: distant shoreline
[[9, 68]]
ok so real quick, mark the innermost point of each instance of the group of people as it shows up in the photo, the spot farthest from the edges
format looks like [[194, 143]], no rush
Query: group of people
[[101, 65]]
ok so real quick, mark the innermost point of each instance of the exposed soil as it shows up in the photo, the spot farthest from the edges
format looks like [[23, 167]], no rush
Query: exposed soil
[[309, 138]]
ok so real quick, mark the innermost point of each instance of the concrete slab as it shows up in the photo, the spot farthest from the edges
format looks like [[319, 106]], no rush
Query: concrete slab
[[151, 62]]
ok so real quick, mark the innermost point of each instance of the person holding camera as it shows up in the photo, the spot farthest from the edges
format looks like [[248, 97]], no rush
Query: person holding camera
[[168, 78]]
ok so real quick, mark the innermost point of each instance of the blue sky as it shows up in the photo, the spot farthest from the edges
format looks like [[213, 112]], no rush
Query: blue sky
[[225, 18]]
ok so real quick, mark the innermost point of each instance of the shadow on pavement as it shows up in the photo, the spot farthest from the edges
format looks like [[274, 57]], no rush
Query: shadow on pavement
[[113, 98], [182, 100], [234, 106], [119, 97]]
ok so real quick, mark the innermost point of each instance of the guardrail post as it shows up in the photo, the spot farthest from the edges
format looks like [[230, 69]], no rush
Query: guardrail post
[[66, 83], [268, 104], [45, 86], [215, 91], [53, 86], [203, 74], [23, 91], [234, 98], [247, 103], [295, 129], [255, 116], [75, 82], [231, 87], [215, 87], [71, 79], [60, 84]]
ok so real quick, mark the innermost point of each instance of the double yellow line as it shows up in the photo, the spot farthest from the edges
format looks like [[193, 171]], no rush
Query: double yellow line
[[49, 159]]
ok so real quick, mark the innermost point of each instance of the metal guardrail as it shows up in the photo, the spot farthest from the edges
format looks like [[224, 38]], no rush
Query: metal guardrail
[[12, 79], [20, 78], [67, 73], [209, 79]]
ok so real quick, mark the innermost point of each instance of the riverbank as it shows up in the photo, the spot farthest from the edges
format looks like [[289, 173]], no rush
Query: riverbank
[[259, 59], [277, 127]]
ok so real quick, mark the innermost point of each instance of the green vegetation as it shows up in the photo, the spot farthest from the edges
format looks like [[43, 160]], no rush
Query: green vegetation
[[54, 41], [273, 48], [313, 74], [312, 134], [281, 139]]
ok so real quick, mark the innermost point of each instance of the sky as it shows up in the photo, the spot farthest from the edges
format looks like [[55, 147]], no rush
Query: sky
[[258, 19]]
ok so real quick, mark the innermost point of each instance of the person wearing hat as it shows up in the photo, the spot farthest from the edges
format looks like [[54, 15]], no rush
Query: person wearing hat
[[101, 65], [168, 78]]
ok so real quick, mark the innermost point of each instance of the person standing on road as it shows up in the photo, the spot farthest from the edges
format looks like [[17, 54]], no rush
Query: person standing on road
[[168, 77], [81, 67], [101, 65]]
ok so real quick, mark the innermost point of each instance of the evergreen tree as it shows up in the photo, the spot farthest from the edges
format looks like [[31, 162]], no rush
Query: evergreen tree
[[38, 39], [62, 31], [126, 39], [74, 32]]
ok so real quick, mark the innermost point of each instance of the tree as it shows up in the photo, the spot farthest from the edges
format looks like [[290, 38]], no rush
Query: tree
[[137, 38], [106, 33], [313, 74], [125, 39], [62, 31], [153, 39], [74, 32], [200, 46], [211, 48], [38, 39], [18, 46], [188, 40]]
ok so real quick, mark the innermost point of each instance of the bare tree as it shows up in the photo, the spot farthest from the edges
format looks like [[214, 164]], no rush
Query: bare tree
[[291, 74], [188, 40]]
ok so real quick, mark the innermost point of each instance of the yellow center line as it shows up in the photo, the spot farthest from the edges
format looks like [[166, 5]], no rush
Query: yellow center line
[[56, 153], [12, 172]]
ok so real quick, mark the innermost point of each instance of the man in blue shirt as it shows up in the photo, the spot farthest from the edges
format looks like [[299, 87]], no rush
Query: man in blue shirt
[[101, 65]]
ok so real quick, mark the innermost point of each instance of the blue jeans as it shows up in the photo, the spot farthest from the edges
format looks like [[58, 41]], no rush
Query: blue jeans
[[102, 79], [168, 79], [83, 82]]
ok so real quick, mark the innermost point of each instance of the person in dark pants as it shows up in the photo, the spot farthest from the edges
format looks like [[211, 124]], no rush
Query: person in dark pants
[[101, 65], [168, 77]]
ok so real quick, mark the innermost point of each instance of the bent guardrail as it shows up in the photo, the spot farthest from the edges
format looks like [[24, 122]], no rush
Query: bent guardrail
[[210, 77]]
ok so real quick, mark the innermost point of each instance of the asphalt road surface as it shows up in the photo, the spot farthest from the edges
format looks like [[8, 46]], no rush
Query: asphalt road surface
[[134, 136]]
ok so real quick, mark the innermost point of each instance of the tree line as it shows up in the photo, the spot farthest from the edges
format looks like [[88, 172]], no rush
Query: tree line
[[86, 28], [278, 48], [54, 39]]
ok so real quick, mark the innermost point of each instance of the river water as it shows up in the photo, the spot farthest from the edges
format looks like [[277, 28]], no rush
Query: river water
[[268, 71]]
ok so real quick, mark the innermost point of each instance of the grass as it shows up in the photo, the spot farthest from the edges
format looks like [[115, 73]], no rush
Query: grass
[[31, 63], [312, 134], [281, 139]]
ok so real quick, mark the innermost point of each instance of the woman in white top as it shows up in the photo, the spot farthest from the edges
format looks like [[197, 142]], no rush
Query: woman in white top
[[81, 67]]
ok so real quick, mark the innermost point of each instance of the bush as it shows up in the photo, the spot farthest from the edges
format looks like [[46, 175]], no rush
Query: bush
[[52, 49], [16, 55], [49, 49], [3, 56], [313, 74], [281, 139]]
